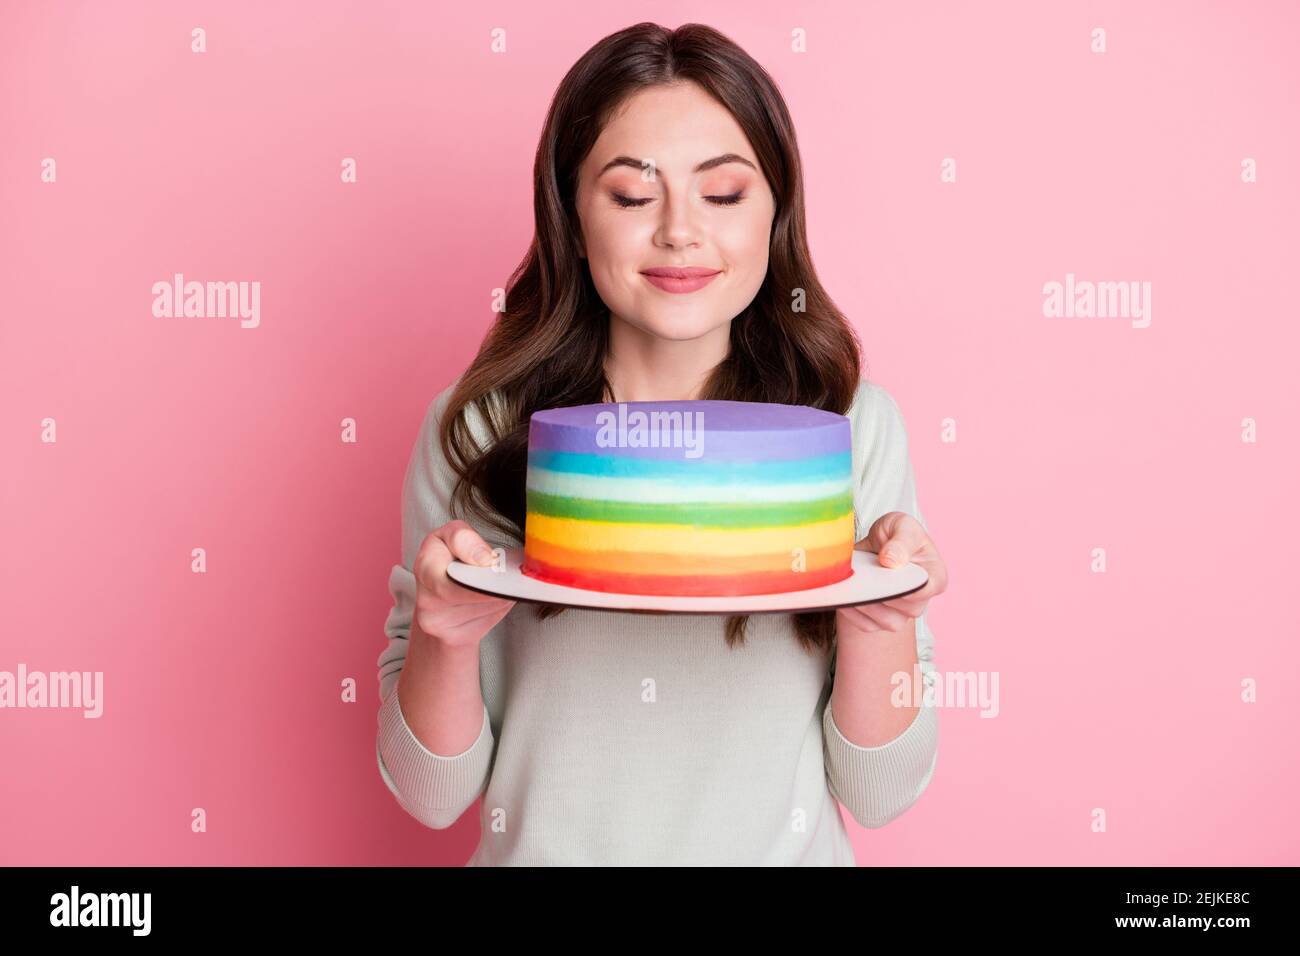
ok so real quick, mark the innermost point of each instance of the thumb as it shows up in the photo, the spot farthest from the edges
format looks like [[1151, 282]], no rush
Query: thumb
[[893, 554], [893, 538], [882, 532]]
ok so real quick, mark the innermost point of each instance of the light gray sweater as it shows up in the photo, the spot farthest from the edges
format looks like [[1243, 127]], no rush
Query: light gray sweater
[[614, 738]]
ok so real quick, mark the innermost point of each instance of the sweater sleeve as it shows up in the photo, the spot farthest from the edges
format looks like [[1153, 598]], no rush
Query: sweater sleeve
[[877, 784], [433, 788]]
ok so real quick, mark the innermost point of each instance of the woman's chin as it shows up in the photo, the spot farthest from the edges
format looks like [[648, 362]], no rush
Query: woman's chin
[[685, 329]]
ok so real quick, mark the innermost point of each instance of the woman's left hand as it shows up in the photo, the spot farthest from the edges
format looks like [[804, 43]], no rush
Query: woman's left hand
[[897, 538]]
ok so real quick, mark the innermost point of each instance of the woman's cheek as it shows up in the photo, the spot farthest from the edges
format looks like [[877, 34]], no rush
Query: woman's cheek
[[751, 262], [606, 253]]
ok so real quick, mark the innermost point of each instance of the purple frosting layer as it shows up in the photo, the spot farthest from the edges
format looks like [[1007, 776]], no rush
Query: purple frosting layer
[[720, 430]]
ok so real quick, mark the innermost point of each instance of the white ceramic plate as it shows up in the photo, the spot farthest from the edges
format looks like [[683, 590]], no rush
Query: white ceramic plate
[[870, 582]]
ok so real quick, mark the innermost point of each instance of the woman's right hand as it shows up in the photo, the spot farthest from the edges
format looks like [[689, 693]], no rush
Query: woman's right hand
[[452, 615]]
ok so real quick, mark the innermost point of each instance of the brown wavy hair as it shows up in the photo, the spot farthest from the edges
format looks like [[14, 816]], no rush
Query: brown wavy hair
[[547, 347]]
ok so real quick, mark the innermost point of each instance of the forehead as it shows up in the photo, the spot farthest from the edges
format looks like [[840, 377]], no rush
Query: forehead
[[677, 126]]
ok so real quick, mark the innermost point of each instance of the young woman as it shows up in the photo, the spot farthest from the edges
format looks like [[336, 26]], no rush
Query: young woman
[[602, 737]]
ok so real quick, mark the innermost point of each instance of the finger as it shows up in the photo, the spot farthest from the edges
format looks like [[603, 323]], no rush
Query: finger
[[465, 544], [938, 571], [884, 618], [458, 615], [909, 613], [485, 622], [457, 628], [879, 532], [907, 539], [431, 572], [860, 619], [893, 526], [454, 594], [431, 563], [911, 605]]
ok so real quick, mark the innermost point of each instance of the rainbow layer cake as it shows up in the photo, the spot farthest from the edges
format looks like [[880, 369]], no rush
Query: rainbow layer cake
[[689, 498]]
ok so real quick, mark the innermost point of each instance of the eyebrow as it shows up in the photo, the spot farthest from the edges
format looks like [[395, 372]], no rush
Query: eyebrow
[[707, 164]]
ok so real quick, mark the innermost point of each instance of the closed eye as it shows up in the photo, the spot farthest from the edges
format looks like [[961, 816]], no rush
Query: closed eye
[[628, 202]]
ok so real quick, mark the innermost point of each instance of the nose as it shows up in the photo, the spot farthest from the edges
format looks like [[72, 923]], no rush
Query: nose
[[677, 227]]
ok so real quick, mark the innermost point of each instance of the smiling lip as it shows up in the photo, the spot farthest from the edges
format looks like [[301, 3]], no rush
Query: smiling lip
[[686, 279]]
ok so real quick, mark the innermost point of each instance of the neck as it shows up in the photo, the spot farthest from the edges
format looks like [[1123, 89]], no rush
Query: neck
[[643, 367]]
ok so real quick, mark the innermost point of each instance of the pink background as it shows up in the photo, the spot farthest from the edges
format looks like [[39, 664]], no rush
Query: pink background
[[222, 690]]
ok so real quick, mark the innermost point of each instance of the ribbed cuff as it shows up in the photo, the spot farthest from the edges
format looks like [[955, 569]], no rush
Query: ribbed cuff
[[423, 778], [877, 784]]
